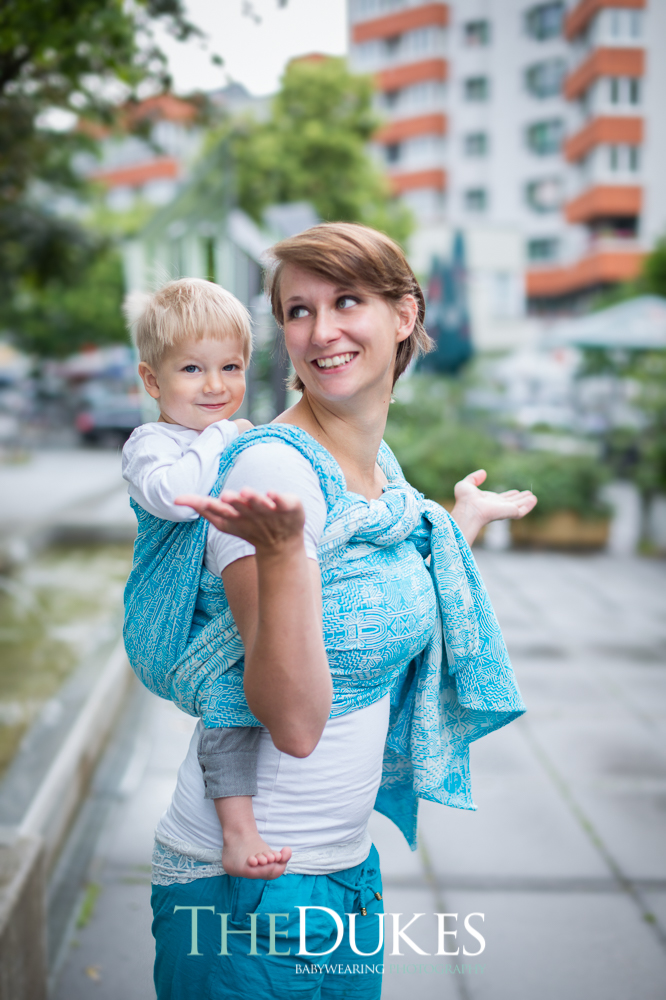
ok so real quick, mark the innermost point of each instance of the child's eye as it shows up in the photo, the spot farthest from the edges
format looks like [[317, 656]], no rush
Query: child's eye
[[346, 301], [297, 312], [190, 369], [230, 368]]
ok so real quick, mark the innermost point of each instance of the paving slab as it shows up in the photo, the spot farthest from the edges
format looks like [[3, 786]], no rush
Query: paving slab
[[571, 945]]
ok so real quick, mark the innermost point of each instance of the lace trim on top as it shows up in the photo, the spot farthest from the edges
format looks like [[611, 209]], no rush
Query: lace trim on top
[[177, 862]]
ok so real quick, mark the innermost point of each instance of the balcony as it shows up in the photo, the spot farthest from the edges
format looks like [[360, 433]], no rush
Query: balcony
[[409, 128], [605, 201], [581, 15], [434, 177], [429, 15], [408, 75], [605, 265], [604, 62], [610, 130], [138, 174]]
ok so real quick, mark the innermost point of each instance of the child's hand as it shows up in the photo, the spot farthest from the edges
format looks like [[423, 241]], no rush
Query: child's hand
[[271, 523], [243, 425], [475, 508]]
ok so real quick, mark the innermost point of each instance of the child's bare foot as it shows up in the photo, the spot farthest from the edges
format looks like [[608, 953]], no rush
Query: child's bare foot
[[249, 856]]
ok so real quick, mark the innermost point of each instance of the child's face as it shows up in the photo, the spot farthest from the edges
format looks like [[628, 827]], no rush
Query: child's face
[[198, 382]]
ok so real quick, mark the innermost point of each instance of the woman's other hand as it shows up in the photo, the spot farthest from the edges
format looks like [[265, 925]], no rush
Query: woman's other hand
[[474, 508], [272, 523]]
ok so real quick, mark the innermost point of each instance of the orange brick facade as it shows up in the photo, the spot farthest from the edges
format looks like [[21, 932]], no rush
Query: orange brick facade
[[164, 168], [407, 76], [582, 14], [604, 130], [604, 62], [605, 201], [430, 14], [602, 268], [433, 178], [408, 128]]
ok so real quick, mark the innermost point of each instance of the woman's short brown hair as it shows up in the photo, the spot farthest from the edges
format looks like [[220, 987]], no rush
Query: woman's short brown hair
[[353, 256]]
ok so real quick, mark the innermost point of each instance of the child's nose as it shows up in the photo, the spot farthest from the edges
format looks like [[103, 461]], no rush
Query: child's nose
[[214, 382]]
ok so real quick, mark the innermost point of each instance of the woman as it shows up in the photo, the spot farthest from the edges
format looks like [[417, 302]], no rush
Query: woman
[[338, 520]]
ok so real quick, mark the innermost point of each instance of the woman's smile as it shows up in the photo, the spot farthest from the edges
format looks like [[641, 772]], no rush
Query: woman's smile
[[336, 361]]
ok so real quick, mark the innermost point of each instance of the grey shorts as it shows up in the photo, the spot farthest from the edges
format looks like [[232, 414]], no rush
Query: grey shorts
[[228, 760]]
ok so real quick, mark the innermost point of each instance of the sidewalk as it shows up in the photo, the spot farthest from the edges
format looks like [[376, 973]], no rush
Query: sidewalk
[[566, 856]]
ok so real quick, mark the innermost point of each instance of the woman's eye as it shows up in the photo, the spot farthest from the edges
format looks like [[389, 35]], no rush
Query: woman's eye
[[298, 312], [346, 302], [190, 369]]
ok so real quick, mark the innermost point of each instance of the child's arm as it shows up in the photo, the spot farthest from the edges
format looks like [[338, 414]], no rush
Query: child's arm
[[158, 469], [475, 508]]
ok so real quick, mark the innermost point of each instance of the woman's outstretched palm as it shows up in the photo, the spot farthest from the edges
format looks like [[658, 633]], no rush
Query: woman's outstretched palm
[[485, 506]]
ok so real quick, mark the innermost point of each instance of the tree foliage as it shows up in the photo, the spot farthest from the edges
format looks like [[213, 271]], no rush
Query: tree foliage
[[62, 54], [60, 318], [650, 281], [313, 147], [438, 440]]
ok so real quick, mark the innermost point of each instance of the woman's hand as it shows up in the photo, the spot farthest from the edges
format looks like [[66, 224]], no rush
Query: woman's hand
[[272, 523], [275, 598], [474, 508]]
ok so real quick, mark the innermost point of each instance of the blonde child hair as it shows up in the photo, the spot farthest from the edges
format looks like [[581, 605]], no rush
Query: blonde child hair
[[187, 307]]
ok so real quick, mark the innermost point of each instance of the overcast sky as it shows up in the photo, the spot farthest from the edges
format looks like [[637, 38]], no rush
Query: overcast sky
[[255, 45]]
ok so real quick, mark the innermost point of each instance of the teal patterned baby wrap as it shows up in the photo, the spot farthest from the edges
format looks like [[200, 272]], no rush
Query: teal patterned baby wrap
[[393, 624]]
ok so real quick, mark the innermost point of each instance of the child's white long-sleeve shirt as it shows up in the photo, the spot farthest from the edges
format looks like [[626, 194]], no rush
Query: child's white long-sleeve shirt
[[162, 461]]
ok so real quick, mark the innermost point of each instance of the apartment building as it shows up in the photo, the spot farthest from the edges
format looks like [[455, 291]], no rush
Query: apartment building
[[538, 119]]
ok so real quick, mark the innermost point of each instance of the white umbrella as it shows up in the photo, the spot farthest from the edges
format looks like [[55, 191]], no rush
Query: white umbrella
[[639, 325]]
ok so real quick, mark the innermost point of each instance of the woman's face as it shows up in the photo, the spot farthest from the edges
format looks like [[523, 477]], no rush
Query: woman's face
[[341, 341]]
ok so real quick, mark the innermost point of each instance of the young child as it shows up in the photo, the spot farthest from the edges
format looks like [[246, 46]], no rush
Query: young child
[[194, 342]]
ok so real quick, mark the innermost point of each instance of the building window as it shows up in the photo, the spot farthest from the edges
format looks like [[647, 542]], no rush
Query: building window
[[477, 88], [624, 158], [545, 21], [392, 44], [544, 138], [543, 248], [624, 90], [391, 98], [476, 200], [544, 79], [544, 195], [625, 23], [477, 33], [393, 152], [476, 144]]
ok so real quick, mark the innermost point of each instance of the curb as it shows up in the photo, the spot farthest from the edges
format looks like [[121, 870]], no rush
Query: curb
[[29, 850]]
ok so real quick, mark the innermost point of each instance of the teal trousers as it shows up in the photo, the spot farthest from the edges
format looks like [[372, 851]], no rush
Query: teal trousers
[[228, 938]]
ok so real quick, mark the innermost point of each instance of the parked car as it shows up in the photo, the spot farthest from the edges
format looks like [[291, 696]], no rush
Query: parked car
[[108, 416]]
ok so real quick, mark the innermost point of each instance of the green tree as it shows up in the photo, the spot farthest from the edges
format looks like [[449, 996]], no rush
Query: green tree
[[60, 318], [59, 54], [650, 471], [653, 271], [313, 147], [650, 281]]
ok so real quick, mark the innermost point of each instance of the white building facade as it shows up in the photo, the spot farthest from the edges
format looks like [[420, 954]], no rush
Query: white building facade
[[541, 120]]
